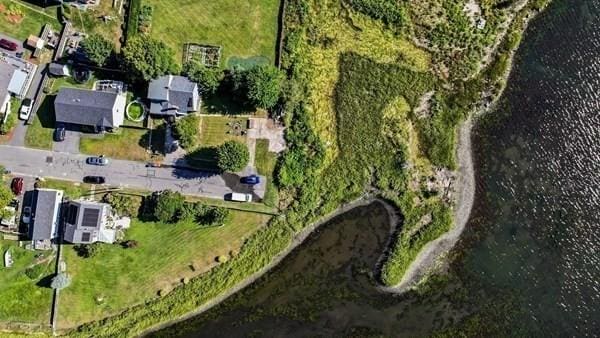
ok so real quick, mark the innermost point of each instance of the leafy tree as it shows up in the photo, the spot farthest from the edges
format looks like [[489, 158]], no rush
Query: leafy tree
[[191, 211], [263, 85], [207, 78], [147, 58], [232, 156], [88, 250], [124, 205], [6, 196], [97, 49], [168, 206], [60, 281], [187, 130]]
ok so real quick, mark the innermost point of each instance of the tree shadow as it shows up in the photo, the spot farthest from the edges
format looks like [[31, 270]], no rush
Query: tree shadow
[[204, 158], [45, 282], [46, 113]]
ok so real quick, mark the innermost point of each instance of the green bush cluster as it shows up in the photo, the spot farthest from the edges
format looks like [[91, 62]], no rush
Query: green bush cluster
[[145, 18], [124, 205], [97, 49], [259, 86], [392, 12], [207, 78], [133, 17], [171, 207], [146, 58], [88, 250], [232, 156], [187, 130]]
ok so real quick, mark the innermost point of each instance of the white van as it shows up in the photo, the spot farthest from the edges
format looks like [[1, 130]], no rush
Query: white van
[[238, 197]]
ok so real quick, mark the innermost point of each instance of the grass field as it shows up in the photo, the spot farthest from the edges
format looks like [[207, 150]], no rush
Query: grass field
[[166, 253], [125, 143], [22, 299], [33, 19], [245, 29], [90, 21]]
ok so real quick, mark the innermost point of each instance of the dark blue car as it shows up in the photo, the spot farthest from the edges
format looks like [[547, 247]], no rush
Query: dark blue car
[[252, 179]]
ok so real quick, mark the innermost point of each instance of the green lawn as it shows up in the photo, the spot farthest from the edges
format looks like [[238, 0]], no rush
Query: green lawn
[[214, 130], [22, 299], [125, 143], [39, 133], [245, 29], [31, 22], [265, 162], [124, 277], [71, 190]]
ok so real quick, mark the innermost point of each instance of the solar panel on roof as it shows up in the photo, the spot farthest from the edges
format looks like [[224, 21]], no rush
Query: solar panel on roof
[[90, 217]]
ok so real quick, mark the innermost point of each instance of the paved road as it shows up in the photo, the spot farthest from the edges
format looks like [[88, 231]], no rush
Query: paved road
[[119, 173]]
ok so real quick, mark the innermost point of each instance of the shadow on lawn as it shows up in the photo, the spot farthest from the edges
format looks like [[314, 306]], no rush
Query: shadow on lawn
[[46, 282], [45, 112]]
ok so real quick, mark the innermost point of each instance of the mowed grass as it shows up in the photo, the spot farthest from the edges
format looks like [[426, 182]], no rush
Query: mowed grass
[[125, 143], [244, 29], [214, 130], [32, 22], [39, 133], [90, 21], [125, 277], [21, 298]]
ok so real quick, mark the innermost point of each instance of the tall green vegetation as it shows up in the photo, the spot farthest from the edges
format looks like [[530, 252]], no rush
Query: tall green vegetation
[[392, 12], [232, 156], [187, 129], [146, 58], [97, 49], [207, 78], [264, 84]]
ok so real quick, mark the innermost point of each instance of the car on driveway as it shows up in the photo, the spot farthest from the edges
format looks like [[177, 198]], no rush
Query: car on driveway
[[8, 45], [26, 215], [17, 185], [94, 179], [97, 160], [59, 133], [25, 109], [252, 180]]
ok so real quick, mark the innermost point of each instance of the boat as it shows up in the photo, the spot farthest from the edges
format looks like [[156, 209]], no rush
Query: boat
[[8, 261]]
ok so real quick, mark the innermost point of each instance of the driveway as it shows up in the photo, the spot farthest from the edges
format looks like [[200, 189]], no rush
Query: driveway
[[119, 173], [70, 144]]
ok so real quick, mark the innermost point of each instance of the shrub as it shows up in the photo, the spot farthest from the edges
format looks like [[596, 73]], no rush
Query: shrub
[[168, 206], [232, 156], [124, 205], [34, 272], [263, 85], [145, 18], [88, 250], [187, 130], [11, 122], [130, 244], [212, 216]]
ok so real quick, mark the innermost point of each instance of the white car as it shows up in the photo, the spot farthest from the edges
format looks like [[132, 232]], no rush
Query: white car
[[25, 109]]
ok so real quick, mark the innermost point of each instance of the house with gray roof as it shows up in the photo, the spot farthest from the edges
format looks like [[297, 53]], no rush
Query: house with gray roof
[[15, 79], [172, 95], [45, 218], [89, 222], [101, 110]]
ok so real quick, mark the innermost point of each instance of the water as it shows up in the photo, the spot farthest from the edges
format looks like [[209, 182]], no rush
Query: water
[[529, 261]]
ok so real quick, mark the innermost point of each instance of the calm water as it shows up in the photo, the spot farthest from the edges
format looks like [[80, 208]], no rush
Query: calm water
[[529, 261]]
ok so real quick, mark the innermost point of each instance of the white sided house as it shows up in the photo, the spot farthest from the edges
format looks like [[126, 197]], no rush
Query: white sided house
[[100, 110], [89, 222]]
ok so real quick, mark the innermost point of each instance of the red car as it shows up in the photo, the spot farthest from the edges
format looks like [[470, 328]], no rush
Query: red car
[[8, 45], [17, 185]]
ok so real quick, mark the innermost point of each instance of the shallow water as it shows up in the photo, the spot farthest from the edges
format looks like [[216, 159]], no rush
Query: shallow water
[[529, 261]]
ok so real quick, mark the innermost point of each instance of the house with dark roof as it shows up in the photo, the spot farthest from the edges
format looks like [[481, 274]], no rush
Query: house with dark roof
[[89, 222], [45, 218], [101, 110], [172, 95]]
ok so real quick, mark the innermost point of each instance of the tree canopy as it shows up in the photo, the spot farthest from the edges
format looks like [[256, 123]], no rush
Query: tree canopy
[[168, 206], [148, 58], [232, 156], [263, 85], [207, 78], [187, 129], [97, 49]]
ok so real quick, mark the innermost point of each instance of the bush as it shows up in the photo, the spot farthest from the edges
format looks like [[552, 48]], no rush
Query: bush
[[168, 206], [187, 130], [34, 272], [130, 244], [145, 19], [124, 205], [207, 78], [232, 156], [6, 196], [212, 216], [11, 122], [97, 49], [263, 85], [88, 250]]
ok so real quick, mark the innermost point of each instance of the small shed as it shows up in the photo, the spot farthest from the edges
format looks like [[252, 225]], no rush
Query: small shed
[[35, 42], [58, 69]]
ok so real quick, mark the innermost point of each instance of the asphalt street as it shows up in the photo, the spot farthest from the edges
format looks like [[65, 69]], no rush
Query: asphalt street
[[120, 173]]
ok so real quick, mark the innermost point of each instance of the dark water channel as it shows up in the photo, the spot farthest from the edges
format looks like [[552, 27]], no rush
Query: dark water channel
[[529, 261]]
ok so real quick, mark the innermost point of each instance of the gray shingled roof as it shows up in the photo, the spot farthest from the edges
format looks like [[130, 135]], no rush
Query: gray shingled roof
[[85, 107], [178, 91], [42, 226], [58, 69]]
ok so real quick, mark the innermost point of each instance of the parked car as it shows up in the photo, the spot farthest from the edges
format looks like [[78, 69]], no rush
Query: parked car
[[17, 185], [8, 45], [97, 160], [94, 179], [25, 109], [59, 133], [252, 180], [238, 197], [26, 215]]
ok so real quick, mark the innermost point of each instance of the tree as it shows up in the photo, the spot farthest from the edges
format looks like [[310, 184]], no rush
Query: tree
[[263, 85], [5, 196], [60, 281], [124, 205], [213, 216], [97, 49], [208, 78], [168, 206], [147, 58], [232, 156], [187, 130]]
